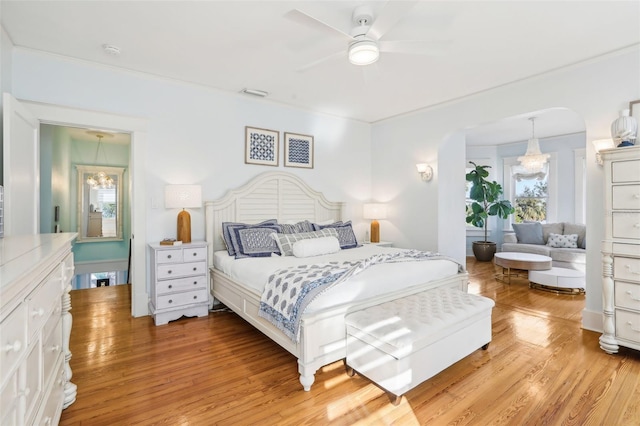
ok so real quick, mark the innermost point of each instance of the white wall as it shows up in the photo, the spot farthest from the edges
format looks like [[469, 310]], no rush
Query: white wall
[[6, 49], [196, 134], [596, 90]]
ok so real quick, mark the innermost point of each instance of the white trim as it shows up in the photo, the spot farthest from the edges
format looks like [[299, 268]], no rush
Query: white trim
[[592, 320], [100, 266], [66, 116], [580, 180]]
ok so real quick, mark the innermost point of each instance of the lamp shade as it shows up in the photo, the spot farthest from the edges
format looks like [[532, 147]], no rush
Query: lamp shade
[[182, 196], [375, 211]]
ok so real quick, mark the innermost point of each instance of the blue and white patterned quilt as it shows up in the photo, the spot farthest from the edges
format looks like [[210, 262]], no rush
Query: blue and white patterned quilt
[[289, 291]]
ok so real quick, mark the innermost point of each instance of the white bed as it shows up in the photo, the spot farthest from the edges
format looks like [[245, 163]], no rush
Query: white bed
[[283, 196]]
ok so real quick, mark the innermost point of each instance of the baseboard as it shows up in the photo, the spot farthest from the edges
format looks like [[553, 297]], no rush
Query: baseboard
[[592, 320]]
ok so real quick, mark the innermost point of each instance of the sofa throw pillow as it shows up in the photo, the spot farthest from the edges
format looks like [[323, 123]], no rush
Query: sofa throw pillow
[[316, 247], [555, 228], [580, 230], [285, 242], [255, 241], [563, 241], [346, 236], [229, 236], [528, 233]]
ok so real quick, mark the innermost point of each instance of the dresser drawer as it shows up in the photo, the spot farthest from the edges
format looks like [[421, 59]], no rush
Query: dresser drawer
[[194, 254], [9, 400], [626, 225], [33, 384], [52, 348], [182, 284], [169, 256], [626, 268], [625, 171], [625, 197], [44, 299], [52, 408], [622, 249], [628, 325], [181, 299], [181, 270], [13, 338], [627, 295]]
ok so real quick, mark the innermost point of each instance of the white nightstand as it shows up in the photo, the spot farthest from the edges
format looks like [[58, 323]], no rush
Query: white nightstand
[[382, 244], [178, 281]]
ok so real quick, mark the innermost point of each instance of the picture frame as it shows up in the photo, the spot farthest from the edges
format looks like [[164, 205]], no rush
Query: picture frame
[[261, 146], [298, 150], [634, 110]]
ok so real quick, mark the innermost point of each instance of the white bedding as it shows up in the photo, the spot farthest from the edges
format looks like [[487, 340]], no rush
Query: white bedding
[[254, 273]]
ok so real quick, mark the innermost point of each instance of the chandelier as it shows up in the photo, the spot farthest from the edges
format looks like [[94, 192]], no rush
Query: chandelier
[[100, 179], [533, 160]]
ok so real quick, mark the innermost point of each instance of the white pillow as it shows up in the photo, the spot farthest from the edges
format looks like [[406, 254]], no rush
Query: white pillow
[[316, 247]]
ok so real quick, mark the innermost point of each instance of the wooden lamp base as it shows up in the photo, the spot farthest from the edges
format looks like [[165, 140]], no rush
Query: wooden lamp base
[[184, 227], [375, 231]]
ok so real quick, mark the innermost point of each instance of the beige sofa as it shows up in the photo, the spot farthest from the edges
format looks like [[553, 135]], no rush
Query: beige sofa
[[526, 238]]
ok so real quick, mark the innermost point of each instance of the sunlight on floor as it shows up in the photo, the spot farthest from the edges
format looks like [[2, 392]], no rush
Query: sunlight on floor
[[531, 329]]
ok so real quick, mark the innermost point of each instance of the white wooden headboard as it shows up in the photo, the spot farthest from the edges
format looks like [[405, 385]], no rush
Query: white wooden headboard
[[270, 195]]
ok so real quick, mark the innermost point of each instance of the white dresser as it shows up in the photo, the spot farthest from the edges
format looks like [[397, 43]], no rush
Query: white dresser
[[35, 326], [178, 281], [621, 250]]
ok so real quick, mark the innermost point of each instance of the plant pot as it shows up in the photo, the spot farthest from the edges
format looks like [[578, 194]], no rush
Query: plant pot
[[484, 250]]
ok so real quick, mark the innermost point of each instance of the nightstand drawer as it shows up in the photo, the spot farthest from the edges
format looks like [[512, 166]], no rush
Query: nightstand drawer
[[625, 171], [42, 302], [181, 299], [625, 197], [181, 270], [194, 254], [169, 256], [627, 295], [628, 325], [626, 225], [626, 268], [182, 284]]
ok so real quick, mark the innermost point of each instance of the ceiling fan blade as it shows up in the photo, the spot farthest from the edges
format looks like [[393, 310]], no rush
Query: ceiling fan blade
[[302, 18], [391, 13], [321, 60], [414, 47]]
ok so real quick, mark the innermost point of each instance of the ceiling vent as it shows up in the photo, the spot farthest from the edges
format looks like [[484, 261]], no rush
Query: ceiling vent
[[255, 92]]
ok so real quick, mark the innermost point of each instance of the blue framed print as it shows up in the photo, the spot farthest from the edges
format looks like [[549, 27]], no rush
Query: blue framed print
[[261, 146], [298, 150]]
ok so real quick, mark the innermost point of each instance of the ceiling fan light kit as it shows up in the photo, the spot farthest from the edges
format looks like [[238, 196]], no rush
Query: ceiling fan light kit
[[363, 52]]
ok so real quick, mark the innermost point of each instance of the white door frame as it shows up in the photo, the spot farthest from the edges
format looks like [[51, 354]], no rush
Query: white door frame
[[65, 116]]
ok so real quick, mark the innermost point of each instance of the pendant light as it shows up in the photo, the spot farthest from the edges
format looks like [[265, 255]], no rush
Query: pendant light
[[100, 179], [533, 160]]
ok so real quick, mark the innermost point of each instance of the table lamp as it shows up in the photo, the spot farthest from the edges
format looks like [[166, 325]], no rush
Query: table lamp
[[375, 212], [183, 197]]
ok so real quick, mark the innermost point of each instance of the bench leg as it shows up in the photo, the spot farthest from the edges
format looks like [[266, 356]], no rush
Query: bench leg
[[395, 399], [485, 347], [350, 371]]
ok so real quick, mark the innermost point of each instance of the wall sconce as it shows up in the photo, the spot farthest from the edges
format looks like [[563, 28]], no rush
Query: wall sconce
[[374, 212], [602, 144], [182, 197], [425, 170]]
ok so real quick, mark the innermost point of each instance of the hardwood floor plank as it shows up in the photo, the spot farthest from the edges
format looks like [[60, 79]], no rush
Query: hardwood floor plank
[[540, 368]]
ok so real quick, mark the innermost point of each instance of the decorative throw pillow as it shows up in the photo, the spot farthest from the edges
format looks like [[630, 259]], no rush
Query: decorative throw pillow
[[229, 236], [346, 236], [316, 247], [294, 228], [528, 233], [563, 241], [255, 241], [285, 242]]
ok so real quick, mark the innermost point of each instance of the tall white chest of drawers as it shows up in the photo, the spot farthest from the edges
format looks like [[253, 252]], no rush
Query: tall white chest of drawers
[[621, 250], [178, 281], [35, 326]]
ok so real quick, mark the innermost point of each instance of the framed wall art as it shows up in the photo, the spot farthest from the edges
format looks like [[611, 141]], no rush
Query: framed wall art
[[298, 150], [261, 146]]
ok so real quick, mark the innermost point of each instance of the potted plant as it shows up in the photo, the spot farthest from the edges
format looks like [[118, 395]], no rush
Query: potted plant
[[486, 202]]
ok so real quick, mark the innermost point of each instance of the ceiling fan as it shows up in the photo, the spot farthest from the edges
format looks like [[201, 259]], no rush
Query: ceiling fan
[[364, 38]]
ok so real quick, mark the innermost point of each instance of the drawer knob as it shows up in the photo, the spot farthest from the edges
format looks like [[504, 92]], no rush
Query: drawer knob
[[195, 254], [170, 286], [16, 346], [195, 283], [195, 297], [55, 348], [168, 256], [195, 268], [170, 301], [25, 392], [170, 271], [37, 312], [636, 299], [628, 268], [47, 421], [630, 324]]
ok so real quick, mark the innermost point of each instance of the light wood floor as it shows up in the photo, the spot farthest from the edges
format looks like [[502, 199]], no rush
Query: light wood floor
[[541, 368]]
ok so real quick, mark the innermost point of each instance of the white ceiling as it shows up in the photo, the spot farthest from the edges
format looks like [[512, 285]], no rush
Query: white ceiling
[[230, 45]]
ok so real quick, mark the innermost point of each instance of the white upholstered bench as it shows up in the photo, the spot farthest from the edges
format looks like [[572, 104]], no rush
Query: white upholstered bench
[[401, 343]]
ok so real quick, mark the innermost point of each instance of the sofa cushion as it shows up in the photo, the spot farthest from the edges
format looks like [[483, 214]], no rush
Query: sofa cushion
[[528, 233], [527, 248], [580, 230], [552, 228]]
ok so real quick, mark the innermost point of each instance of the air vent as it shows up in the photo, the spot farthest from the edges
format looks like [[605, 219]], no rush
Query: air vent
[[255, 92]]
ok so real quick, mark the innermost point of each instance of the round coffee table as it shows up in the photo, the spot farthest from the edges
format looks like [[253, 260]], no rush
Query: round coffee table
[[521, 261], [558, 280]]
